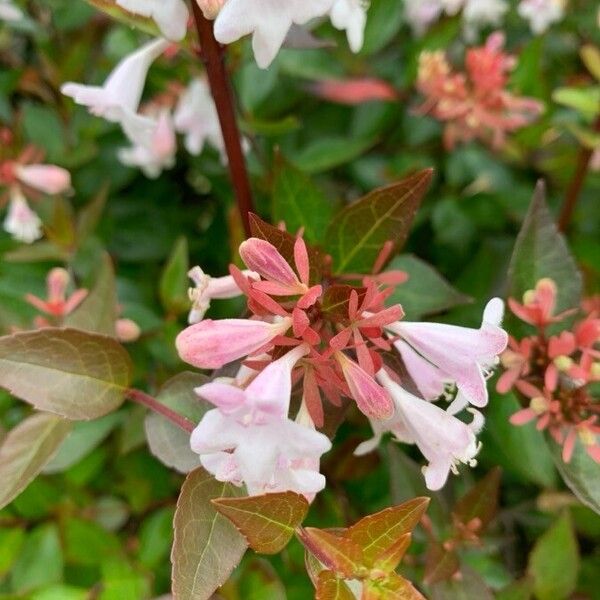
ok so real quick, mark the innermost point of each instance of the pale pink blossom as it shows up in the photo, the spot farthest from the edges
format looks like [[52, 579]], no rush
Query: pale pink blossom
[[171, 16], [197, 119], [49, 179], [20, 221], [478, 14], [249, 439], [444, 440], [267, 20], [207, 288], [212, 344], [351, 16], [158, 153], [541, 13], [421, 14], [9, 12], [436, 354], [127, 331], [119, 98]]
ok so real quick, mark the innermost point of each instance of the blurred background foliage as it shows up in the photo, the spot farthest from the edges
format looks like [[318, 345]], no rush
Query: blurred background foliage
[[98, 523]]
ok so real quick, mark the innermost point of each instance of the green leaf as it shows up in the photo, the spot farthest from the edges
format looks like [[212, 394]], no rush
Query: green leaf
[[89, 216], [325, 154], [207, 546], [425, 292], [25, 451], [580, 473], [84, 437], [267, 522], [584, 100], [377, 533], [174, 283], [384, 20], [71, 373], [41, 560], [554, 561], [358, 233], [519, 590], [481, 501], [469, 586], [168, 442], [87, 543], [98, 312], [591, 57], [541, 251], [11, 542], [120, 581], [518, 450], [300, 203]]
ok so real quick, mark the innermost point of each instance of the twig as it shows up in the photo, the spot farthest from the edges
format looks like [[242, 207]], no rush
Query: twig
[[155, 406], [211, 52], [574, 189]]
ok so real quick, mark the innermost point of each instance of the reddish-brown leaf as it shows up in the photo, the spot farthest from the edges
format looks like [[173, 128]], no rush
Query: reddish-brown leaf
[[377, 533], [336, 300], [267, 522], [331, 587], [389, 560], [440, 564], [394, 587], [481, 501], [338, 553]]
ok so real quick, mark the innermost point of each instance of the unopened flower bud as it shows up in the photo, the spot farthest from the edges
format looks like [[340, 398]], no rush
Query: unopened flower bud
[[127, 330]]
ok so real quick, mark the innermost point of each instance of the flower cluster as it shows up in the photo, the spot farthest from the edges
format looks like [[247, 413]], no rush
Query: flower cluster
[[555, 373], [313, 333], [477, 14], [25, 176], [59, 304], [474, 104]]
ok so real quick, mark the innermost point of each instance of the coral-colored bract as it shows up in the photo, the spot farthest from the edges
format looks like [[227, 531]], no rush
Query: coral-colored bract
[[331, 339]]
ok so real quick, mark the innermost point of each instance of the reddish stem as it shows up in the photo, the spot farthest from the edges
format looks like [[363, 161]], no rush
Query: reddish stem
[[574, 189], [212, 54], [155, 406]]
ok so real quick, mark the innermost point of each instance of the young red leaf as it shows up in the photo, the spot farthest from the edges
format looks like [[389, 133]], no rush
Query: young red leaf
[[393, 587], [331, 587], [377, 533], [480, 502], [336, 300], [389, 560], [357, 234], [440, 564], [267, 522], [337, 552]]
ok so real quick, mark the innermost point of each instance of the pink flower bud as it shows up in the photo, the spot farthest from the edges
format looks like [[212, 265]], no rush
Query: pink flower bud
[[127, 330], [49, 179], [212, 344]]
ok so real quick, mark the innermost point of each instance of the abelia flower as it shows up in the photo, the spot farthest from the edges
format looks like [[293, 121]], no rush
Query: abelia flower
[[171, 16], [57, 304], [267, 20], [119, 98], [351, 16], [541, 14], [159, 151], [436, 354], [474, 104], [478, 14], [20, 221], [421, 14], [48, 179], [249, 439], [9, 12], [444, 440], [206, 288], [212, 344], [197, 119]]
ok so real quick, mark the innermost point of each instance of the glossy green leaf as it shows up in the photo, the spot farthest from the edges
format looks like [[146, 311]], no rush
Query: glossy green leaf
[[174, 282], [328, 153], [358, 233], [72, 373], [207, 546], [25, 451]]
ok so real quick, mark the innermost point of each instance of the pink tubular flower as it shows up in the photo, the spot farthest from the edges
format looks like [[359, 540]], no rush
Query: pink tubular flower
[[444, 440], [370, 397], [249, 439], [436, 354], [207, 287], [212, 344], [474, 104], [49, 179], [57, 303]]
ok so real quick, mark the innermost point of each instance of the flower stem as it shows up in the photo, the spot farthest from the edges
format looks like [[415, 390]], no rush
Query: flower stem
[[574, 189], [212, 54], [155, 406]]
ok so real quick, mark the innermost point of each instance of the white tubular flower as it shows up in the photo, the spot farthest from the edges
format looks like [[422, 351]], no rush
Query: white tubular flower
[[541, 13], [351, 16], [482, 13], [9, 12], [20, 221], [267, 20], [421, 14], [171, 16]]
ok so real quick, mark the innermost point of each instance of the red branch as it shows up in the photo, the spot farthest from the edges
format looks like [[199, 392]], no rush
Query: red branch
[[212, 54], [155, 406]]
